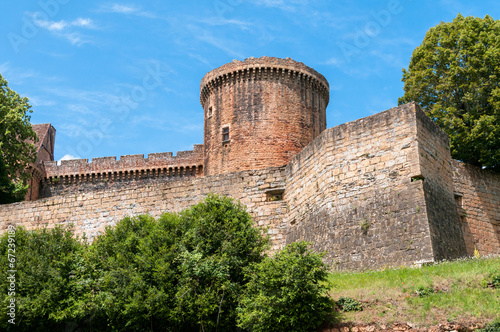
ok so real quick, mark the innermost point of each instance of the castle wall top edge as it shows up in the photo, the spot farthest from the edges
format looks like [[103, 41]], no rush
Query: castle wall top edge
[[262, 62], [136, 161]]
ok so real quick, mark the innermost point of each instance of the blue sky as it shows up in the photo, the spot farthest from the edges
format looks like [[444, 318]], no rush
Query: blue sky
[[117, 78]]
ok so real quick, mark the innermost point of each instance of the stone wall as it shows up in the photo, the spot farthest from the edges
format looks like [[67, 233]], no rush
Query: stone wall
[[436, 175], [77, 176], [477, 193], [90, 212], [351, 193], [379, 191]]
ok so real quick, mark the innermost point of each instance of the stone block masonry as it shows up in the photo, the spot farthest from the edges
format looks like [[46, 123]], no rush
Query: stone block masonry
[[74, 176], [379, 191], [477, 195], [351, 193], [91, 212], [260, 113]]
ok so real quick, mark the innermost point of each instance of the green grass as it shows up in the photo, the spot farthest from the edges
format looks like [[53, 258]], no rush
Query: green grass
[[449, 291]]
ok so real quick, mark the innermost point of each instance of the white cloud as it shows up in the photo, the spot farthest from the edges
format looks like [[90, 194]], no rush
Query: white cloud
[[37, 101], [123, 9], [57, 26], [16, 76], [67, 157], [216, 21], [65, 29], [4, 67], [290, 5], [126, 10]]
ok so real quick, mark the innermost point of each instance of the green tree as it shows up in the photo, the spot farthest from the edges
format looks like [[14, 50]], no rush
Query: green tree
[[219, 244], [454, 75], [16, 140], [287, 292], [45, 261], [133, 275], [182, 272], [10, 191]]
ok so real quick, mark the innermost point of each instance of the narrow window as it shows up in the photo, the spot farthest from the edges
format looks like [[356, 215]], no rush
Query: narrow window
[[275, 195], [210, 111], [225, 134], [458, 200]]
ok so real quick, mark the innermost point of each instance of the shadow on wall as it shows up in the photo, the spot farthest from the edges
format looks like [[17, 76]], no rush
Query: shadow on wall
[[478, 200]]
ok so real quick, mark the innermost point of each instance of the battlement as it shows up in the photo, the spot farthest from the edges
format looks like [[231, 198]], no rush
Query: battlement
[[129, 167], [263, 68]]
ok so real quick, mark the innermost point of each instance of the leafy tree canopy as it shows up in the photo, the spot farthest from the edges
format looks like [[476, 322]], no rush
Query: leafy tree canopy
[[182, 272], [286, 292], [454, 75], [16, 138]]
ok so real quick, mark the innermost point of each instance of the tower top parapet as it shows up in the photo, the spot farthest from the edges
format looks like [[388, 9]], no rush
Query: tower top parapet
[[251, 66]]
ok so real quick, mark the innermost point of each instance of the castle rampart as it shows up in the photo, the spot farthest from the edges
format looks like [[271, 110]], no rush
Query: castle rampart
[[477, 195], [72, 176], [351, 193], [93, 210], [378, 191]]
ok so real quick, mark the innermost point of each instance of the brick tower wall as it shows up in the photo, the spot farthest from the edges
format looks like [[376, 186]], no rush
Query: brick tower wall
[[260, 113]]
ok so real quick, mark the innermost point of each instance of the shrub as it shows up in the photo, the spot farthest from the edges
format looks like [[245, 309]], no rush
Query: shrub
[[491, 327], [219, 243], [46, 261], [424, 291], [347, 304], [183, 272], [286, 292], [496, 281]]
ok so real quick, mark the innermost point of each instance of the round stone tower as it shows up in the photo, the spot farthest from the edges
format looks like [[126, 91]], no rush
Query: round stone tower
[[260, 113]]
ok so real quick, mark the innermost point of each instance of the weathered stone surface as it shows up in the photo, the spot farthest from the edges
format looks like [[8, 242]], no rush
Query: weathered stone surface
[[379, 191], [270, 109], [477, 193]]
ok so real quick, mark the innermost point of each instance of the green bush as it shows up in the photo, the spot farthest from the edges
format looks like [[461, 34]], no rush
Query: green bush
[[491, 327], [496, 281], [219, 243], [424, 291], [133, 274], [347, 304], [183, 272], [286, 292], [46, 262]]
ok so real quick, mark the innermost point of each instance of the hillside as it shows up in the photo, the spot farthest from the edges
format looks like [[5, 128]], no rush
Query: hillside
[[444, 296]]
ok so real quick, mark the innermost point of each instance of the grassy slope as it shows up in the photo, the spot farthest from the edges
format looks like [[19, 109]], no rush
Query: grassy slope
[[389, 295]]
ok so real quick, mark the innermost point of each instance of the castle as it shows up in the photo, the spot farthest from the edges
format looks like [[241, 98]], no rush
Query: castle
[[379, 191]]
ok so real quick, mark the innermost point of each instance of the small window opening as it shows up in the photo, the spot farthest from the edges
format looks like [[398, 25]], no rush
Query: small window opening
[[460, 206], [458, 200], [225, 134], [417, 178], [210, 111], [274, 195]]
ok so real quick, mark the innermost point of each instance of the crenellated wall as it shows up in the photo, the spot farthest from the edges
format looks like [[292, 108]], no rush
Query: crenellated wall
[[79, 175], [91, 212], [379, 191]]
